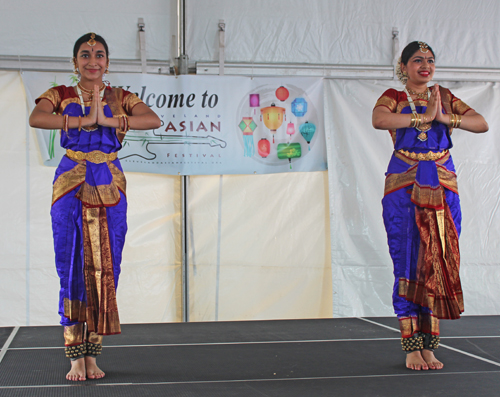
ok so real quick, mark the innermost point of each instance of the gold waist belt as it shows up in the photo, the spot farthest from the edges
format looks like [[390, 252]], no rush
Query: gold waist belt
[[95, 156], [429, 156]]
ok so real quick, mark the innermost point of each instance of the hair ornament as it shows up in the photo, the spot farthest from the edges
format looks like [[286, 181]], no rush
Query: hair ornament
[[424, 47], [92, 41], [402, 76]]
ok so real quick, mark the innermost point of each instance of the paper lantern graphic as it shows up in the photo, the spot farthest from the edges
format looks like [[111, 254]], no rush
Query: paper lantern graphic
[[282, 94], [290, 130], [299, 107], [254, 102], [272, 116], [289, 151], [264, 147], [307, 130], [248, 126]]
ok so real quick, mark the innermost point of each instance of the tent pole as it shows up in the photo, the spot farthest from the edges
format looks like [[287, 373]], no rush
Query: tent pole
[[182, 65], [184, 247], [182, 58]]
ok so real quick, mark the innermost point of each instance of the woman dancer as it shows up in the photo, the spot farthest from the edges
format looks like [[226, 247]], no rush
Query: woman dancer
[[421, 207], [88, 202]]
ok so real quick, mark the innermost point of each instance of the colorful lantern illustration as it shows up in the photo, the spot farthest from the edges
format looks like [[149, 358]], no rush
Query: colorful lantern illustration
[[307, 130], [290, 129], [289, 151], [248, 126], [254, 102], [282, 94], [273, 117], [264, 147], [299, 107]]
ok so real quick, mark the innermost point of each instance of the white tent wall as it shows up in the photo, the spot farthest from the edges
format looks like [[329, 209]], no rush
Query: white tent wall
[[50, 28], [259, 247], [357, 32]]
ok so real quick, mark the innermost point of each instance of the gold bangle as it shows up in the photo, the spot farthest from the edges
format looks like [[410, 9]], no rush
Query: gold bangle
[[126, 126], [419, 121], [79, 123], [412, 120], [459, 121], [66, 123]]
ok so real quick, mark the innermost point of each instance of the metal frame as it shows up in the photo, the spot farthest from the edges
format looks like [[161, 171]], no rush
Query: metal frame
[[357, 72], [182, 67], [62, 64]]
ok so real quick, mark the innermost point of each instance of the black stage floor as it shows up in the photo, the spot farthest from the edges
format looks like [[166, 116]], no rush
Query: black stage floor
[[326, 357]]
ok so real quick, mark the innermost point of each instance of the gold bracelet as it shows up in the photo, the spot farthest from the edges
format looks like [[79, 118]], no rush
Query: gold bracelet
[[419, 121], [79, 123], [452, 120], [126, 125], [459, 121], [412, 120], [66, 123]]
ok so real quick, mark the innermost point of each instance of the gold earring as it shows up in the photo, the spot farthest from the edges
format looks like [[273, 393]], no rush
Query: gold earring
[[75, 67]]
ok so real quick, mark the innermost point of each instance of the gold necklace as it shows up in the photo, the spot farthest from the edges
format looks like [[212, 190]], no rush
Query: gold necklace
[[419, 95], [90, 93]]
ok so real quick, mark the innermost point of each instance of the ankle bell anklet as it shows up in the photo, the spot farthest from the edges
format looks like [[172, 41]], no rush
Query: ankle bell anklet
[[412, 343], [76, 351], [430, 341], [93, 349]]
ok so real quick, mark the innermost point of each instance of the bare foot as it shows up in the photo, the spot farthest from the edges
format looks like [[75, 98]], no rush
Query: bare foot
[[431, 360], [415, 361], [93, 371], [77, 371]]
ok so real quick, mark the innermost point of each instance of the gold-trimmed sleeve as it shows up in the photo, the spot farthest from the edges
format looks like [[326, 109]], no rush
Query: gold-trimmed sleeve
[[389, 103], [129, 101], [460, 107], [51, 95]]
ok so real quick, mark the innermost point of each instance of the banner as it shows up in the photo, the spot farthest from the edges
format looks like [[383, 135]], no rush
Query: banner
[[211, 125]]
